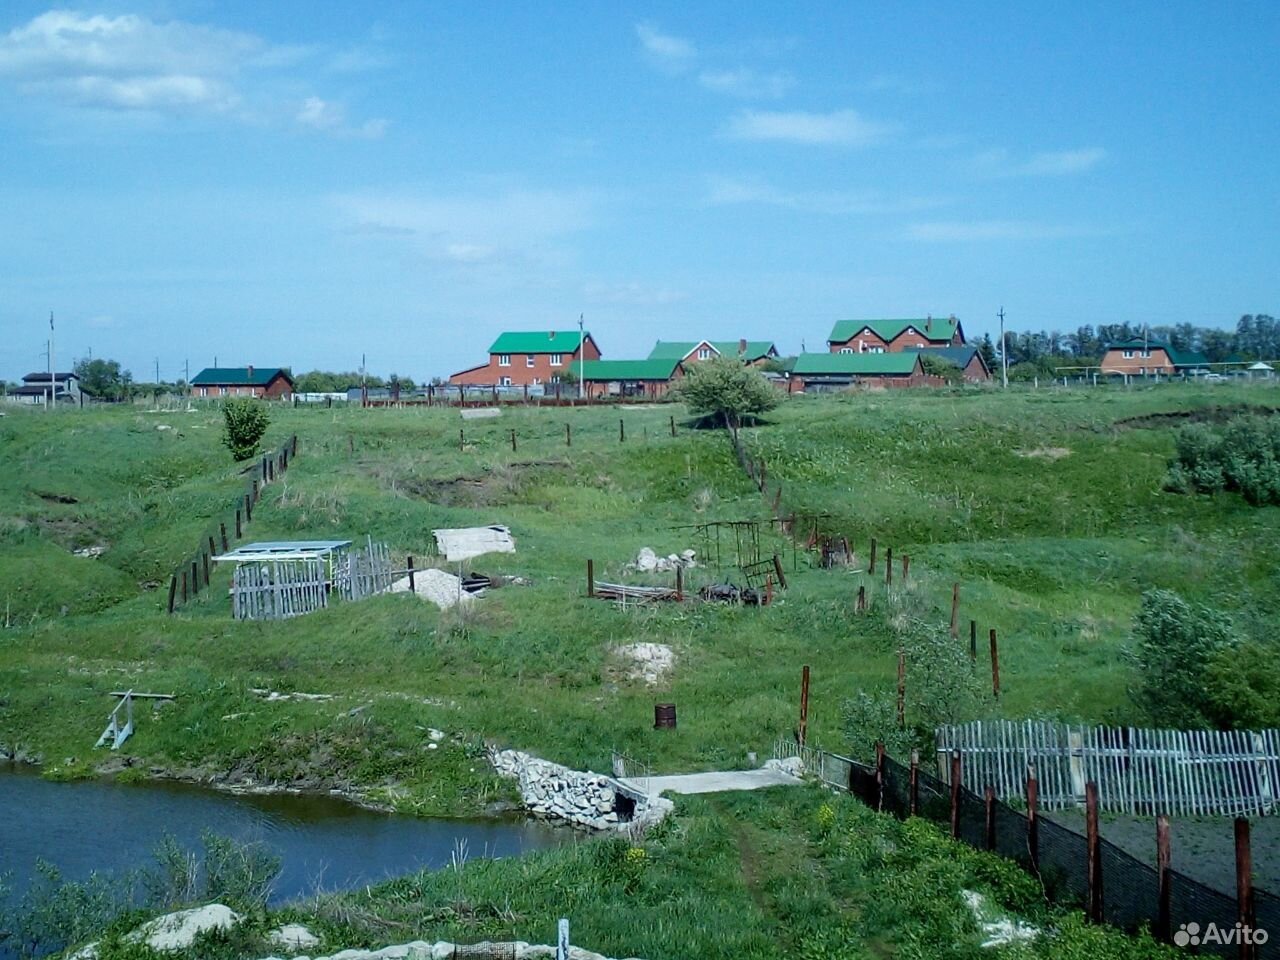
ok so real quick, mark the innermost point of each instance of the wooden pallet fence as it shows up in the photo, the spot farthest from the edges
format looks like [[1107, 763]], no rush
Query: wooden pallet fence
[[1226, 773], [277, 591]]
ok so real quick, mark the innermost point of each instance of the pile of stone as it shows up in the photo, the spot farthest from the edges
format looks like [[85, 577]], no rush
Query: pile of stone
[[586, 799], [649, 562], [441, 588]]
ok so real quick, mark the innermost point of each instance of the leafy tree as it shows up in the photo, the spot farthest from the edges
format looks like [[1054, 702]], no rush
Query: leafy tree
[[244, 422], [988, 351], [724, 388], [323, 381], [936, 366], [103, 379], [1175, 644]]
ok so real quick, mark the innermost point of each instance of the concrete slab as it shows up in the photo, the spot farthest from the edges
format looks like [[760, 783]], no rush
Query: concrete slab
[[715, 782]]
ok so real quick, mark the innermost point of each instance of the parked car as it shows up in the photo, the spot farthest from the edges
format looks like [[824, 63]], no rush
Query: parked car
[[1214, 378]]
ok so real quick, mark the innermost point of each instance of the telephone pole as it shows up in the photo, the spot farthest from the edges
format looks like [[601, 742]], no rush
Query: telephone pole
[[582, 356], [1004, 354], [53, 377]]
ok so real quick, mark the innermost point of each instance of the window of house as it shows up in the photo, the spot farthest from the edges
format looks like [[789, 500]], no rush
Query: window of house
[[557, 359], [704, 353], [504, 359], [556, 378], [1146, 354], [847, 349], [528, 361], [504, 382], [877, 350], [536, 381], [222, 391]]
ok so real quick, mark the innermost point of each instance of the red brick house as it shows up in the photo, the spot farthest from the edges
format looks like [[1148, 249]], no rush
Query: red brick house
[[1139, 357], [519, 358], [968, 359], [753, 353], [894, 336], [827, 372], [271, 383]]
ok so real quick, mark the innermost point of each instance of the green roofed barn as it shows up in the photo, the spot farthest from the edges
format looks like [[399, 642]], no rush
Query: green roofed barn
[[268, 382], [630, 378], [837, 371], [530, 358]]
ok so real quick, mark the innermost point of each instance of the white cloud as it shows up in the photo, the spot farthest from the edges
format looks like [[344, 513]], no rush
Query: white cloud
[[846, 127], [331, 118], [726, 191], [506, 225], [128, 62], [747, 83], [671, 53], [962, 231], [1000, 163], [632, 294]]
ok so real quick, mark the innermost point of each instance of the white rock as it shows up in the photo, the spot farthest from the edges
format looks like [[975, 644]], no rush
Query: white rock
[[651, 661], [441, 588], [999, 931], [293, 937], [792, 765], [434, 734], [647, 560], [177, 931]]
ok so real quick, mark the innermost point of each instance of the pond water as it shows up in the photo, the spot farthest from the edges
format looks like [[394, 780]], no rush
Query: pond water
[[324, 843]]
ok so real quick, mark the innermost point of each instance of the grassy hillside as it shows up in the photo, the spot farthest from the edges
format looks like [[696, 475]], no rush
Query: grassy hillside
[[1046, 506]]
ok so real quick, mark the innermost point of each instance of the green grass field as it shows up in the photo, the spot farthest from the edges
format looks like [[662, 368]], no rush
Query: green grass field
[[1046, 506]]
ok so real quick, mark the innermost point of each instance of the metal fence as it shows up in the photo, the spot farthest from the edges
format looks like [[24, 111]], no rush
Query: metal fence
[[1130, 894], [1176, 772]]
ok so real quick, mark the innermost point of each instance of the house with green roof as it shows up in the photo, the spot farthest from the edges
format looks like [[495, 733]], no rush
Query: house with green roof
[[820, 372], [631, 378], [531, 358], [894, 336], [753, 353], [1145, 357], [274, 383]]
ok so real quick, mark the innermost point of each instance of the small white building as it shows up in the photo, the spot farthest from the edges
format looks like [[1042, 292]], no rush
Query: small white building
[[36, 388]]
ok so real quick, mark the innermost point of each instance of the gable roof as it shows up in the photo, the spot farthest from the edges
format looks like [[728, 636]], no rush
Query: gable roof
[[39, 378], [239, 376], [538, 341], [680, 349], [960, 356], [610, 370], [856, 364], [935, 328]]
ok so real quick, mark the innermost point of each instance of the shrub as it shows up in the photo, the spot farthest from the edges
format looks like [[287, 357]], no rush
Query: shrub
[[1243, 456], [727, 390], [942, 367], [1174, 645], [244, 422]]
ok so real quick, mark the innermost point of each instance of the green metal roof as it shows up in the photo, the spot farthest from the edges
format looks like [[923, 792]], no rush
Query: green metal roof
[[608, 371], [679, 349], [939, 328], [538, 341], [238, 376], [855, 364]]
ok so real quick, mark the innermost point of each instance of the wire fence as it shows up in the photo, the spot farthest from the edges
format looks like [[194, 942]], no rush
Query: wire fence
[[1125, 893]]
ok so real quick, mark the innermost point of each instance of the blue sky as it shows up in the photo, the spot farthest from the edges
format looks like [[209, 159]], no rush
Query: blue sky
[[297, 183]]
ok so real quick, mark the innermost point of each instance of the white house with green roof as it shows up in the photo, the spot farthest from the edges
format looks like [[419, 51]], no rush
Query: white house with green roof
[[894, 336], [531, 358], [751, 352]]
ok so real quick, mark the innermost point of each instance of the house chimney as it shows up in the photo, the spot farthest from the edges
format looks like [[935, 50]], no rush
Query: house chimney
[[928, 323], [742, 347]]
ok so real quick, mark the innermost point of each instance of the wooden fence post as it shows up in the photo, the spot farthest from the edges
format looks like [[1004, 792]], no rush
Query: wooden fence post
[[239, 531], [973, 641], [955, 794], [1244, 887], [205, 559], [871, 567], [768, 590], [248, 507], [955, 610], [777, 568], [888, 566], [622, 431], [1033, 820], [591, 578], [902, 690], [294, 442], [1163, 930], [913, 799], [777, 499], [568, 435], [673, 425], [173, 590], [184, 584], [879, 776], [862, 599], [222, 529], [412, 583], [804, 704], [906, 567], [989, 799], [1093, 855], [995, 666], [462, 439], [213, 548], [257, 494], [513, 441], [679, 584]]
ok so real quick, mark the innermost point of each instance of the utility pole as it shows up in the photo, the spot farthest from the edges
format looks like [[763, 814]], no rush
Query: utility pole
[[1004, 354], [53, 377], [157, 371], [186, 376], [582, 356]]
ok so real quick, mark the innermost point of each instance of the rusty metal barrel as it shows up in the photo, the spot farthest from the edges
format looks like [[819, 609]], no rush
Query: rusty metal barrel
[[664, 716]]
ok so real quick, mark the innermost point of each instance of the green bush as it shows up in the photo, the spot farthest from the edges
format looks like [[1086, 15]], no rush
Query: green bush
[[244, 422], [727, 390], [942, 367], [1174, 646], [1244, 456]]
